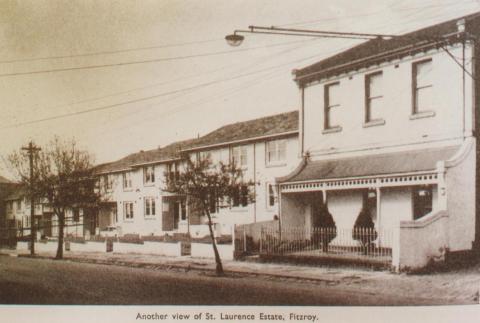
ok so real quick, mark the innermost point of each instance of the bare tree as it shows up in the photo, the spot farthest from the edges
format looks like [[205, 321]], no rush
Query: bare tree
[[201, 182], [63, 176]]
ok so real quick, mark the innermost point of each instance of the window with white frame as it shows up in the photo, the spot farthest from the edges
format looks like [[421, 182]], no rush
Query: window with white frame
[[422, 86], [240, 196], [373, 97], [332, 106], [127, 180], [271, 195], [149, 203], [240, 156], [128, 210], [276, 151], [149, 175]]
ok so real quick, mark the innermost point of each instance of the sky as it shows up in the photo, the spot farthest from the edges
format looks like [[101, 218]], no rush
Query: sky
[[124, 76]]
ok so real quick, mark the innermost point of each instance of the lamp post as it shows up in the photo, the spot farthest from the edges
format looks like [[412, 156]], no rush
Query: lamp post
[[236, 39]]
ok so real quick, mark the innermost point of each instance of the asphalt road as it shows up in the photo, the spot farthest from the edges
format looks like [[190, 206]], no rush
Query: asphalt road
[[45, 281]]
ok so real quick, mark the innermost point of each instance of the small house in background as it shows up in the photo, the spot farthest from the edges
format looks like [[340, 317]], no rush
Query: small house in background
[[390, 128]]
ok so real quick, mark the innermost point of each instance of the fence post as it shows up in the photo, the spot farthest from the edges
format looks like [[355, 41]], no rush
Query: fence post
[[261, 239], [244, 239]]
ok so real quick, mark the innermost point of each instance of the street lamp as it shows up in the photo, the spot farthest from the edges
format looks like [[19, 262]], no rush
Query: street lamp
[[236, 40]]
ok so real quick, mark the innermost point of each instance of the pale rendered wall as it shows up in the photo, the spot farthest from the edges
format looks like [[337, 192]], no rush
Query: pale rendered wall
[[460, 181], [397, 104]]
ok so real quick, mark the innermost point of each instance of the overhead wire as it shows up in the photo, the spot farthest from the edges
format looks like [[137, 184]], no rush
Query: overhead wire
[[155, 60], [111, 106], [108, 52]]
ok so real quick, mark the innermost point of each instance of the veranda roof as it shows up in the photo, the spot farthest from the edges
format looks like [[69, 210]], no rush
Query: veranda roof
[[370, 165]]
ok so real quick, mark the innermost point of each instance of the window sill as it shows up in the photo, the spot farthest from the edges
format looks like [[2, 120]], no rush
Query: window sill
[[281, 164], [422, 114], [150, 217], [374, 123], [331, 130], [128, 221], [149, 184], [128, 189]]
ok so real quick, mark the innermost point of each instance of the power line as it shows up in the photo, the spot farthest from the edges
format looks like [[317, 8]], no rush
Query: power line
[[143, 61], [92, 99], [126, 50], [316, 21], [198, 86]]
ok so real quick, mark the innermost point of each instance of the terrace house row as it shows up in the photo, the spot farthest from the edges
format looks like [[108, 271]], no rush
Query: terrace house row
[[391, 126], [136, 200]]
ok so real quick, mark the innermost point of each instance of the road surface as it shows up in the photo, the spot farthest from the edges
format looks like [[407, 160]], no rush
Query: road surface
[[45, 281]]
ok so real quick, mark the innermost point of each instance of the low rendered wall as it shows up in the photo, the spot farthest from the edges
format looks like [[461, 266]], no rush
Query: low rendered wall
[[90, 246], [22, 246], [171, 249], [422, 241], [149, 248], [205, 250], [49, 246]]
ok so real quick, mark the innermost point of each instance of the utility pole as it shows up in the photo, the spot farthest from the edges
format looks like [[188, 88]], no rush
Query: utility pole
[[31, 150]]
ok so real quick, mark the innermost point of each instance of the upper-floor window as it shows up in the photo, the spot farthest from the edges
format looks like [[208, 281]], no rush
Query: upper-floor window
[[240, 156], [19, 205], [173, 171], [127, 180], [149, 175], [276, 151], [422, 86], [149, 206], [373, 97], [332, 106], [128, 210], [107, 180]]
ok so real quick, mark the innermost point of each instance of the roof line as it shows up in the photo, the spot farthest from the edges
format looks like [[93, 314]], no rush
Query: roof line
[[426, 42], [281, 134], [160, 161]]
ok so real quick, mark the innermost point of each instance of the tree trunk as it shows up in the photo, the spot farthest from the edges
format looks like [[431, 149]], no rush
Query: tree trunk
[[61, 225], [218, 261]]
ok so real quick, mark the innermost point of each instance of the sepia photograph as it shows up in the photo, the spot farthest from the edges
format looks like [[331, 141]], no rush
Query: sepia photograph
[[280, 161]]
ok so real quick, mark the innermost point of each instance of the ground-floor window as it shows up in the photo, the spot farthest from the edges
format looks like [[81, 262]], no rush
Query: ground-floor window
[[149, 206], [271, 196], [128, 210], [422, 199]]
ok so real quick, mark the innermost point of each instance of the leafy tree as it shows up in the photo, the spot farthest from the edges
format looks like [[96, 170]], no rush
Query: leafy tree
[[364, 229], [326, 225], [201, 182], [63, 177]]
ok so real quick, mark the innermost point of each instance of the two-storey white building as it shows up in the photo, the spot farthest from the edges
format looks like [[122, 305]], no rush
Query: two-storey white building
[[391, 126], [137, 202]]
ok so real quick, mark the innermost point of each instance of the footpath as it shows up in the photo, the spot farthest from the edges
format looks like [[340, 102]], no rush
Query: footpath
[[454, 287]]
